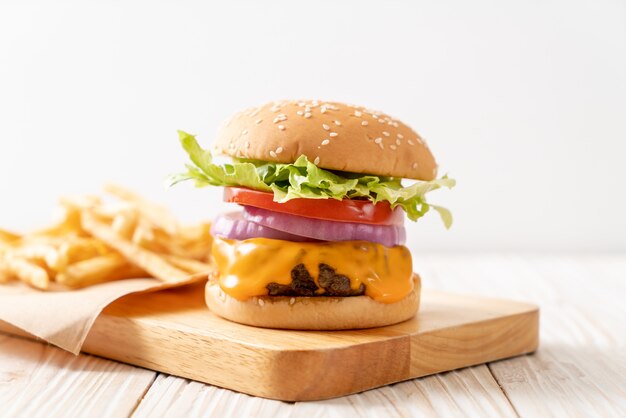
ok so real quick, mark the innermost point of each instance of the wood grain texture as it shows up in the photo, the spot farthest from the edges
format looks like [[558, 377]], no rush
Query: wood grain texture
[[580, 368], [470, 392], [38, 380], [173, 332]]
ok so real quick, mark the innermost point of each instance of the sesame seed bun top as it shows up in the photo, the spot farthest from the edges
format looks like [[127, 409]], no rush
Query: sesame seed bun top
[[334, 136]]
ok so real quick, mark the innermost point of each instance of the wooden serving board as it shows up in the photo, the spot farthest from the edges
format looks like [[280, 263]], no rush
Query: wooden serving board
[[172, 331]]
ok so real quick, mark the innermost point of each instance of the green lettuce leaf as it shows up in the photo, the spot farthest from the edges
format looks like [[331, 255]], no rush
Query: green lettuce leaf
[[303, 179]]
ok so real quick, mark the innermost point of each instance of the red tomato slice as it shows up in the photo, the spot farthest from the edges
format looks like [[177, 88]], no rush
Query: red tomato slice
[[346, 210]]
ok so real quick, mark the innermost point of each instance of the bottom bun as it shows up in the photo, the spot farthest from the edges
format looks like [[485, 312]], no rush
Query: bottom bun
[[313, 313]]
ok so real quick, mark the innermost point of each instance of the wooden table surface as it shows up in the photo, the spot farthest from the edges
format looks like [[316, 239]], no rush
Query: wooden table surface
[[578, 371]]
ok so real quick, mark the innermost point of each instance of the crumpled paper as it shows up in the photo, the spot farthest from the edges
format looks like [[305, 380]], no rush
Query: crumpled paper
[[64, 317]]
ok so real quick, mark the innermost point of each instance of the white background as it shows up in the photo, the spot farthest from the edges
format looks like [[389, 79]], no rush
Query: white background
[[524, 103]]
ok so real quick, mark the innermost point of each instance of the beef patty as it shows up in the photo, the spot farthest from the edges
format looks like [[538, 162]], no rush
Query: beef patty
[[302, 284]]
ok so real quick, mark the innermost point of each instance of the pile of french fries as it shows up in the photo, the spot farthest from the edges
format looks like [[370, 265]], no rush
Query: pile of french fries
[[98, 240]]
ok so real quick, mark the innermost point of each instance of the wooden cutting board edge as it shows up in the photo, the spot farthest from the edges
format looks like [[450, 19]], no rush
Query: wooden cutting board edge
[[302, 374]]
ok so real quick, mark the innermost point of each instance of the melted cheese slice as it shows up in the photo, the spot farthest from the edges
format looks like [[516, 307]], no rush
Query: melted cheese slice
[[247, 267]]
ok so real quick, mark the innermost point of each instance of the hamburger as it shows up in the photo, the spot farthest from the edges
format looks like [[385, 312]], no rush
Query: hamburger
[[323, 190]]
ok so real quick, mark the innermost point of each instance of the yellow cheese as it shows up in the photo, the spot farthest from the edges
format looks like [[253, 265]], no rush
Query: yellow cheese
[[247, 267]]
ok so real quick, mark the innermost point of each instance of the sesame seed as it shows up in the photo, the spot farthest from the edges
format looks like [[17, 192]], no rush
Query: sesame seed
[[292, 301], [261, 302], [385, 133], [244, 132], [273, 154], [378, 140], [276, 120], [307, 115], [375, 116], [316, 161], [365, 123], [400, 136], [395, 124], [398, 141], [393, 147], [326, 142], [259, 121], [326, 127], [357, 113], [381, 121], [279, 150], [390, 123], [333, 134], [337, 123], [281, 127], [414, 165], [411, 142], [300, 113], [381, 146], [323, 109]]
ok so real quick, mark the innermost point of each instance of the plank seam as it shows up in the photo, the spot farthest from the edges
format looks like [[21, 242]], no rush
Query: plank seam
[[145, 392], [495, 378]]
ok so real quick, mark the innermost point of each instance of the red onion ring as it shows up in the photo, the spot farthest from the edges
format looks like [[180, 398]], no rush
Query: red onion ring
[[388, 235], [233, 226]]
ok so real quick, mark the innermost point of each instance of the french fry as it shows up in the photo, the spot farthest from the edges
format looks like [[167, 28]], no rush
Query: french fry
[[79, 203], [125, 222], [107, 210], [194, 241], [42, 254], [67, 224], [7, 240], [8, 236], [144, 237], [5, 272], [156, 214], [28, 272], [194, 233], [110, 210], [52, 240], [97, 270], [189, 264], [157, 240], [145, 259], [199, 251], [79, 249]]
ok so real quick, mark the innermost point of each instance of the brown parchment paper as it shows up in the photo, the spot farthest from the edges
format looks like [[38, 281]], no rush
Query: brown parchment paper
[[64, 317]]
